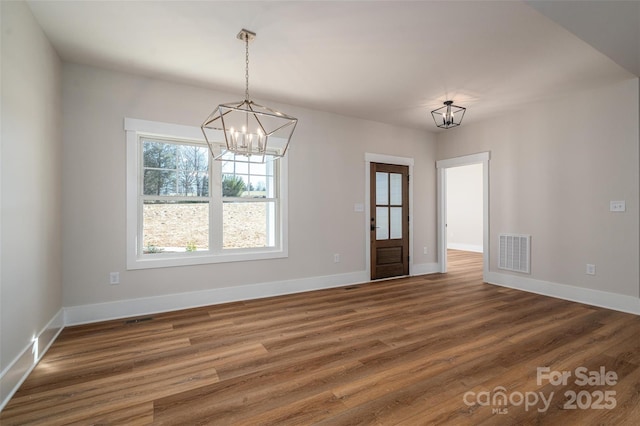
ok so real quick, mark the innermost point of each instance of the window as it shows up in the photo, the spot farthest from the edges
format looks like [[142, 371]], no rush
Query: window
[[174, 196], [183, 208], [248, 202]]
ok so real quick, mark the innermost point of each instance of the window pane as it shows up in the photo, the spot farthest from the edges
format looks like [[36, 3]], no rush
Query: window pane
[[193, 171], [228, 167], [396, 223], [193, 158], [253, 159], [382, 223], [227, 155], [234, 185], [160, 182], [258, 186], [238, 167], [175, 226], [159, 154], [248, 180], [395, 183], [241, 168], [192, 183], [382, 188], [258, 169], [248, 224], [271, 187], [172, 169]]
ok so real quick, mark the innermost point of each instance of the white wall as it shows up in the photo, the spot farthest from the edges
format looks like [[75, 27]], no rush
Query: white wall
[[31, 163], [554, 168], [326, 179], [464, 208]]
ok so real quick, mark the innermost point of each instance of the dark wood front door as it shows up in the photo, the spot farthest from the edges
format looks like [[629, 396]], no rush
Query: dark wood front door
[[389, 220]]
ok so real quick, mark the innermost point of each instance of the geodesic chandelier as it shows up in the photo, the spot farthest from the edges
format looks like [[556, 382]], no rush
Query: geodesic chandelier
[[248, 129], [448, 116]]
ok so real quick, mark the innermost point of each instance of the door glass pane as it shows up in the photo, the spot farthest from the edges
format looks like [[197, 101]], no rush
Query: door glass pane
[[382, 223], [396, 223], [382, 188], [396, 189]]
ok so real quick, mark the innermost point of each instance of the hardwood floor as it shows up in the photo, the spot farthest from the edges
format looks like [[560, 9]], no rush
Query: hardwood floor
[[406, 351]]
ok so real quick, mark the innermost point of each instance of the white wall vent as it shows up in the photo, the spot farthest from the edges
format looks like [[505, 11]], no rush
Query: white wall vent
[[515, 252]]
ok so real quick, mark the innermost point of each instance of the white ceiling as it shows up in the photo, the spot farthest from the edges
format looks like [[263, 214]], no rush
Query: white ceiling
[[389, 61]]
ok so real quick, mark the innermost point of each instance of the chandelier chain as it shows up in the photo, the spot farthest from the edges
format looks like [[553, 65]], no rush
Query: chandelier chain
[[246, 74]]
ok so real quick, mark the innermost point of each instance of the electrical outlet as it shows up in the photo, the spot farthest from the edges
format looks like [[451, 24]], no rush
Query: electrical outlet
[[114, 278], [336, 258], [617, 206], [426, 251], [591, 269]]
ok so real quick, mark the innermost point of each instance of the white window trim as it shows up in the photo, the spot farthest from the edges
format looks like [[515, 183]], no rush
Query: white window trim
[[134, 128]]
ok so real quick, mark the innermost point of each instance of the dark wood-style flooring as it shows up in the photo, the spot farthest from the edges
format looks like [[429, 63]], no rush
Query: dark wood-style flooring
[[409, 351]]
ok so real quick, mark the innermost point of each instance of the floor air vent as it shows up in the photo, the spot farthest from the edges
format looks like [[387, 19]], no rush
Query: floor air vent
[[138, 320], [514, 252]]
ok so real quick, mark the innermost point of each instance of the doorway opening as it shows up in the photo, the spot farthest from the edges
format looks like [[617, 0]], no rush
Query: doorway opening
[[464, 208], [464, 233]]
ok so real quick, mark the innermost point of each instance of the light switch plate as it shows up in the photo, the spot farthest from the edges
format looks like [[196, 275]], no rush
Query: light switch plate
[[617, 206]]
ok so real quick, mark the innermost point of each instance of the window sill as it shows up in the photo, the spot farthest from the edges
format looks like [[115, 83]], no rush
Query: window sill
[[167, 260]]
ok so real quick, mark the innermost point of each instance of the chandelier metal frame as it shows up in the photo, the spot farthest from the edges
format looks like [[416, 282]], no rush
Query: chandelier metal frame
[[448, 116], [249, 129]]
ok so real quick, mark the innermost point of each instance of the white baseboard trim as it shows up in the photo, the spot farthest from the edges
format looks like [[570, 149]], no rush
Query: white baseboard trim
[[17, 371], [466, 247], [603, 299], [84, 314], [425, 268]]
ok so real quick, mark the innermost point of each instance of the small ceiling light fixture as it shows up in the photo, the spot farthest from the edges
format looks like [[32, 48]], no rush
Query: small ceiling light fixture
[[448, 116], [248, 129]]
